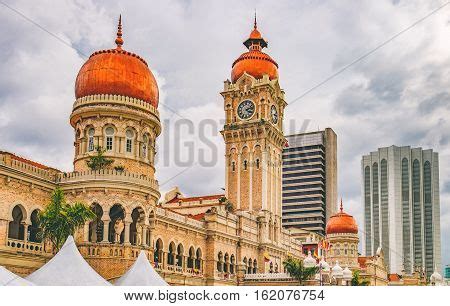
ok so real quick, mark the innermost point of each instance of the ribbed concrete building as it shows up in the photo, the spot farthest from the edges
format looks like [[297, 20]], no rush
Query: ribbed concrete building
[[400, 188], [310, 180]]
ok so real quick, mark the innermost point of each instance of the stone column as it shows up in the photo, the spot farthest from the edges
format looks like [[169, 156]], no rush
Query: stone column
[[86, 232], [25, 232], [105, 230], [144, 235], [126, 238]]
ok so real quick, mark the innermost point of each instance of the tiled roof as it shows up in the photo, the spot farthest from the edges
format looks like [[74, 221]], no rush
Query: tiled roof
[[28, 161]]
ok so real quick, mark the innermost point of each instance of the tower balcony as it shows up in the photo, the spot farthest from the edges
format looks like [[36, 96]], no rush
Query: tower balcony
[[108, 179]]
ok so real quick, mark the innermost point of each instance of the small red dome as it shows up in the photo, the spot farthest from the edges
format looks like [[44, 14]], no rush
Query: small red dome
[[117, 72], [254, 62], [341, 223]]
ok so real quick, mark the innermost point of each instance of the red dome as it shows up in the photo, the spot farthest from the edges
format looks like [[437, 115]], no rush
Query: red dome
[[254, 62], [117, 72], [341, 223]]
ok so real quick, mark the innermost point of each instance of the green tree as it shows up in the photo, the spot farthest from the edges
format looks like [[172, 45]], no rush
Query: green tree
[[99, 161], [356, 281], [59, 219], [298, 271]]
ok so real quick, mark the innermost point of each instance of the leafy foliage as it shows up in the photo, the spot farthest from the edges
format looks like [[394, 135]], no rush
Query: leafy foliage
[[356, 280], [298, 271], [59, 219], [99, 161]]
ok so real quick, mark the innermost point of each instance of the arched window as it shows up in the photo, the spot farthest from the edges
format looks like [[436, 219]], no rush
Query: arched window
[[245, 165], [233, 166], [257, 163], [109, 132], [249, 266], [16, 227], [158, 254], [129, 135], [226, 263], [191, 258], [255, 266], [34, 229], [137, 217], [116, 226], [276, 267], [232, 264], [271, 267], [220, 262], [198, 258], [90, 135], [171, 254], [180, 251], [96, 225]]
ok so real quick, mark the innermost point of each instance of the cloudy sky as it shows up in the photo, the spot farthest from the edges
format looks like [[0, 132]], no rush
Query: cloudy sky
[[399, 94]]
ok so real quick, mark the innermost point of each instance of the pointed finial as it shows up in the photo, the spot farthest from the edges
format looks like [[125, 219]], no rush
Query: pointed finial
[[255, 24], [342, 206], [119, 40]]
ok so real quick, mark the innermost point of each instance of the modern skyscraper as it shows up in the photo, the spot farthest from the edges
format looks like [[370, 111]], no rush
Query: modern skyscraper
[[400, 189], [310, 180]]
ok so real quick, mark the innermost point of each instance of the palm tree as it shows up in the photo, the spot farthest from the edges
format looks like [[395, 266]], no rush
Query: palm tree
[[298, 271], [356, 280], [59, 219]]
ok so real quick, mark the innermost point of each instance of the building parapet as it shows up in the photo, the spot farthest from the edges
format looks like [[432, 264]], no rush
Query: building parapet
[[140, 104], [26, 167], [178, 217], [110, 175]]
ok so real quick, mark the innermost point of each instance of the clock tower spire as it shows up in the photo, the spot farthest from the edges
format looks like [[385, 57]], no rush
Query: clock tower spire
[[253, 131]]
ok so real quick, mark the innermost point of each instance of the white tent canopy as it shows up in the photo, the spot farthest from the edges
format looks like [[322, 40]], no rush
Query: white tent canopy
[[7, 278], [141, 273], [67, 268]]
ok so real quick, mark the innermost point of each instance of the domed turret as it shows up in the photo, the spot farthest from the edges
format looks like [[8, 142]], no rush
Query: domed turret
[[337, 271], [117, 72], [309, 262], [347, 273], [435, 278], [341, 223], [325, 266], [254, 62]]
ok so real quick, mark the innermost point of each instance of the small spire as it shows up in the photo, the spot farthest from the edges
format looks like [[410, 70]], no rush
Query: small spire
[[119, 40], [342, 206], [255, 25]]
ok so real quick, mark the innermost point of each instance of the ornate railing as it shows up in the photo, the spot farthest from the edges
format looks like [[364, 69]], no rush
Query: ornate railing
[[27, 247], [268, 276], [111, 175]]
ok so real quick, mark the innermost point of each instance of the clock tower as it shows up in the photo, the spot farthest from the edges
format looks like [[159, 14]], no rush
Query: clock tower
[[253, 132]]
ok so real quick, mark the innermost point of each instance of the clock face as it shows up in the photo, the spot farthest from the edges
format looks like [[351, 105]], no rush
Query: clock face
[[246, 109], [274, 114]]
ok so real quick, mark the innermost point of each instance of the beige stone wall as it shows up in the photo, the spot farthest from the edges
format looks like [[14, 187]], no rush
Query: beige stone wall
[[343, 248]]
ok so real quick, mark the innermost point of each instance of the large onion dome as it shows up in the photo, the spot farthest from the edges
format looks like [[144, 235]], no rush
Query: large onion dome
[[341, 223], [254, 62], [117, 72]]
